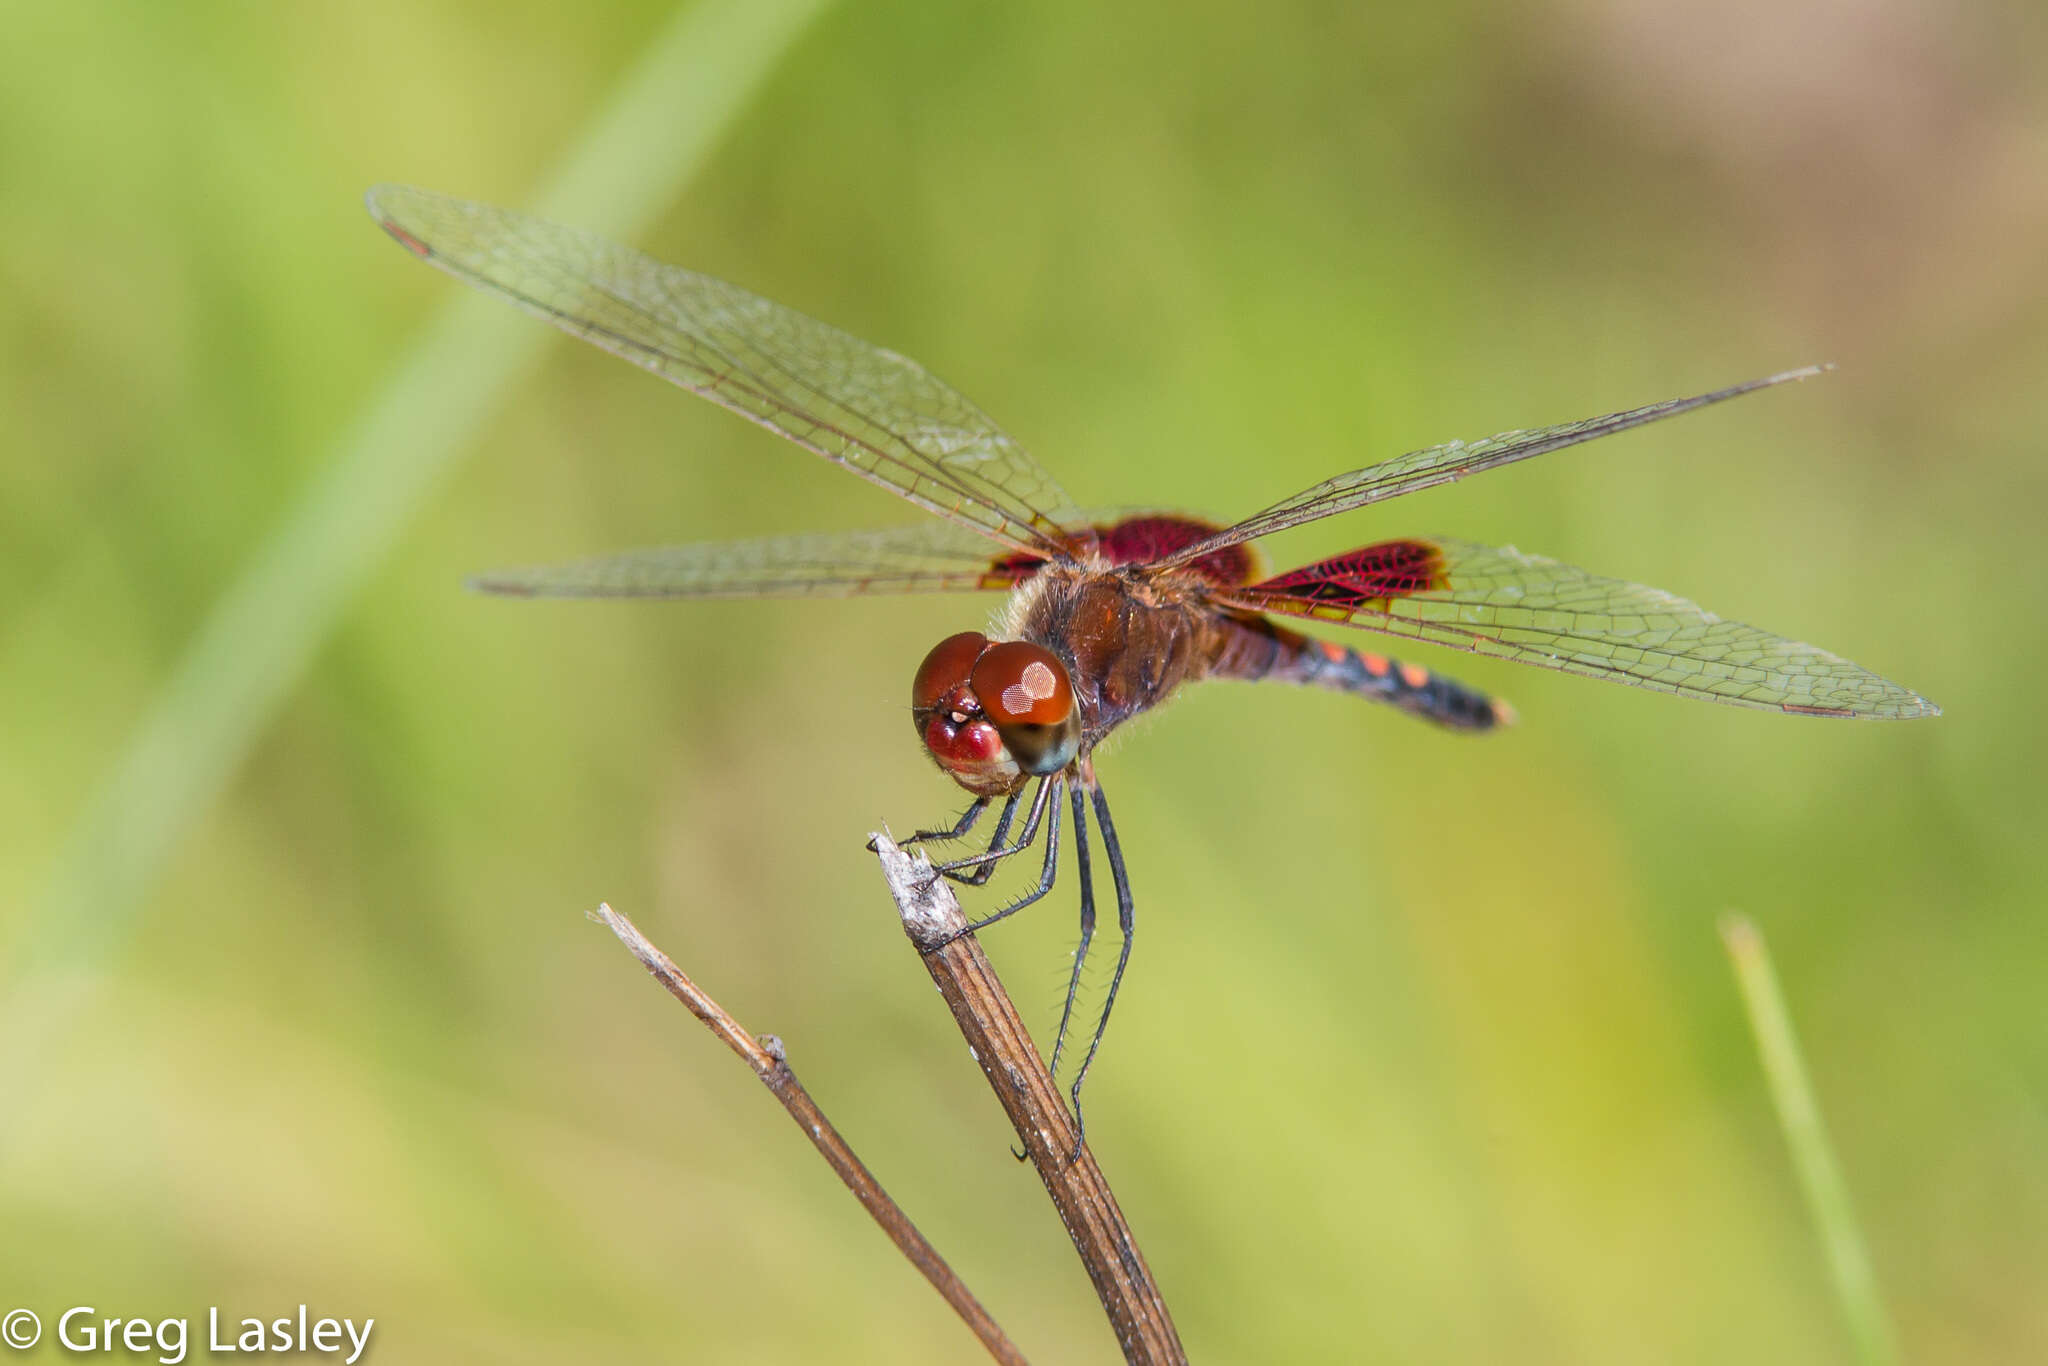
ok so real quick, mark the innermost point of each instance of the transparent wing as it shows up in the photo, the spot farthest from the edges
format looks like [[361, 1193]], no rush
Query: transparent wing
[[934, 557], [1502, 602], [874, 412], [1454, 460]]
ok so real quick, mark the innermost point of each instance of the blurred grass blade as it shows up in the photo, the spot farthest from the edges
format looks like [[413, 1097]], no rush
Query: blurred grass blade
[[666, 115], [1827, 1196]]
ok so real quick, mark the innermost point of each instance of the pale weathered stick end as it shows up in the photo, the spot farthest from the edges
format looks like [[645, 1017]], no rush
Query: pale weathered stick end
[[931, 913]]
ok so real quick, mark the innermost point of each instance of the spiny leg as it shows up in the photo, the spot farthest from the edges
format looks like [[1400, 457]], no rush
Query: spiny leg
[[1048, 873], [992, 854], [1126, 922], [960, 828], [1087, 879], [987, 870]]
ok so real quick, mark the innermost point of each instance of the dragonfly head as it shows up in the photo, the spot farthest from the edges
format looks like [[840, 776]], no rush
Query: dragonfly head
[[992, 713]]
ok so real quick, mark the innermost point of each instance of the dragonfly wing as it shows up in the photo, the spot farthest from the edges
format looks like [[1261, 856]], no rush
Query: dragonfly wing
[[935, 557], [1454, 460], [1499, 601], [881, 415]]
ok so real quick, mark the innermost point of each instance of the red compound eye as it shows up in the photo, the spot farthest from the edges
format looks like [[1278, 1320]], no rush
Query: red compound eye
[[989, 714], [956, 732], [1024, 690], [945, 668], [1021, 684]]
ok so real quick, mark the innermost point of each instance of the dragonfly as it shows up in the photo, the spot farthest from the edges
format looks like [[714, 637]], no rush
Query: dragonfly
[[1108, 615]]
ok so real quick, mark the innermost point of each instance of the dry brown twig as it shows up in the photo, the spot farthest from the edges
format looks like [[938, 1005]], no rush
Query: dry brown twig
[[999, 1042], [766, 1056]]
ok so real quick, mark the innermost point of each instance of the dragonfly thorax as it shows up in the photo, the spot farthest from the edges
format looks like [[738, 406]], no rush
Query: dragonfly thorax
[[993, 713]]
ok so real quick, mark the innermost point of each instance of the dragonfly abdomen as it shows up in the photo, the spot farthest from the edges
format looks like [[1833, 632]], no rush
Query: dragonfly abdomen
[[1253, 649]]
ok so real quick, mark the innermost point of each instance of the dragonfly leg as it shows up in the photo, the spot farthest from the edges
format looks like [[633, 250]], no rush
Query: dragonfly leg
[[962, 826], [987, 870], [993, 854], [1126, 921], [1087, 879], [1048, 873]]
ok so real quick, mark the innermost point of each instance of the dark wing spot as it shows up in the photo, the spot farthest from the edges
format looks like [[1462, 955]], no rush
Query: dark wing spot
[[1371, 576]]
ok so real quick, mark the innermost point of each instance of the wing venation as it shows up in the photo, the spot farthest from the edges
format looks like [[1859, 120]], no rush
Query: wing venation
[[933, 557], [1502, 602], [877, 413], [1434, 465]]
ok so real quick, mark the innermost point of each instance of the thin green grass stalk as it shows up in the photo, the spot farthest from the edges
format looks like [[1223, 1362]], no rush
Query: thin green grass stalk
[[663, 119], [1820, 1176]]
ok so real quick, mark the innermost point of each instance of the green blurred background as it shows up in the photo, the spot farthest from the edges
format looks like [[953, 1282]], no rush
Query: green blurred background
[[1430, 1051]]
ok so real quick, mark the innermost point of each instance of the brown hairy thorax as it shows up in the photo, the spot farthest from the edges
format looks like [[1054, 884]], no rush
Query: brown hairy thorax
[[1130, 640]]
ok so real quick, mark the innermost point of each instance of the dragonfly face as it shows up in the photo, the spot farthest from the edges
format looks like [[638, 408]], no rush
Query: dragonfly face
[[993, 714], [1110, 615]]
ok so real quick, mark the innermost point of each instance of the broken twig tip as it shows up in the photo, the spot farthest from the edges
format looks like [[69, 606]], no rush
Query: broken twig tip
[[931, 914]]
